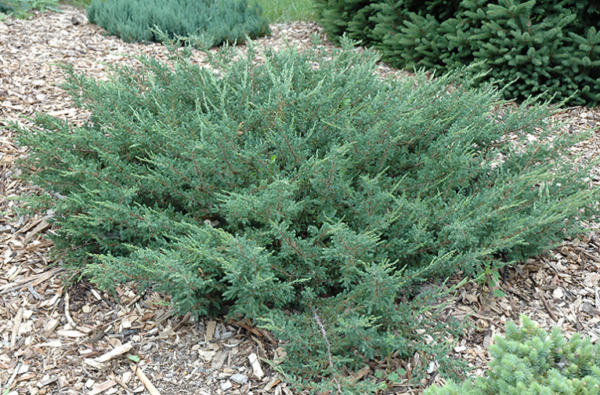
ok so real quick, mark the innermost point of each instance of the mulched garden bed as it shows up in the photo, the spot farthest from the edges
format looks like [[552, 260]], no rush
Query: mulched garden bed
[[76, 339]]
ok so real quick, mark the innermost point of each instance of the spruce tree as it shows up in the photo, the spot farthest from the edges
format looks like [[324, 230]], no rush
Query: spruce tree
[[336, 16], [531, 361], [532, 48]]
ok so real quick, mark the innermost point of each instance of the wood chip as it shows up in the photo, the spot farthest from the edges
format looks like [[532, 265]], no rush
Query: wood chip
[[102, 387], [53, 343], [121, 383], [548, 308], [275, 381], [93, 363], [51, 325], [144, 379], [115, 352], [219, 359], [46, 382], [254, 362], [361, 373], [42, 226], [69, 333], [16, 326], [67, 313], [207, 355], [34, 280], [210, 331], [588, 308], [14, 374]]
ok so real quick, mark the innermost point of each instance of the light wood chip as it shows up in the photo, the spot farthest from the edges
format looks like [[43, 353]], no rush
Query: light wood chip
[[144, 379], [210, 331], [102, 387], [16, 326], [255, 363], [46, 382], [71, 333], [115, 353]]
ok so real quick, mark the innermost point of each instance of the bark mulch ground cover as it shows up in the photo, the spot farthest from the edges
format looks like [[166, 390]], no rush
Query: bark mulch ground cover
[[75, 339]]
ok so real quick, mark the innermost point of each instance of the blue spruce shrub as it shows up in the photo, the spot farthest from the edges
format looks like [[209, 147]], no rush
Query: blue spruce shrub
[[531, 361], [306, 193], [215, 21]]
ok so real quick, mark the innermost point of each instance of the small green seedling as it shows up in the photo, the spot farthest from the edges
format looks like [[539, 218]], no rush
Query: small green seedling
[[390, 378], [134, 358]]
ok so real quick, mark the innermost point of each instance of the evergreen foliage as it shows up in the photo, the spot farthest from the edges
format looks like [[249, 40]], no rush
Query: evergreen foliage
[[6, 6], [531, 361], [549, 48], [336, 15], [216, 21], [22, 8], [303, 192]]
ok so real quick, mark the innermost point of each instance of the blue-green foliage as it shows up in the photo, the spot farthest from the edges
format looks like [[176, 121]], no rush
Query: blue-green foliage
[[541, 47], [6, 6], [216, 21], [531, 361], [302, 189], [23, 8]]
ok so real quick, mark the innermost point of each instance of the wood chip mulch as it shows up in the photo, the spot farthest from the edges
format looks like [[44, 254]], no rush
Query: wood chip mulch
[[75, 339]]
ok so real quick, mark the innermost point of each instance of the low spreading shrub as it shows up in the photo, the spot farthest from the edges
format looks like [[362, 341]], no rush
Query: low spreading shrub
[[534, 47], [216, 21], [531, 361], [6, 6], [23, 8], [306, 193]]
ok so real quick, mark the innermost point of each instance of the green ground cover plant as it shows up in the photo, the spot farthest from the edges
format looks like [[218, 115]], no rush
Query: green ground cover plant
[[531, 361], [283, 11], [305, 193], [533, 47], [215, 21], [77, 3], [276, 11], [23, 8]]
